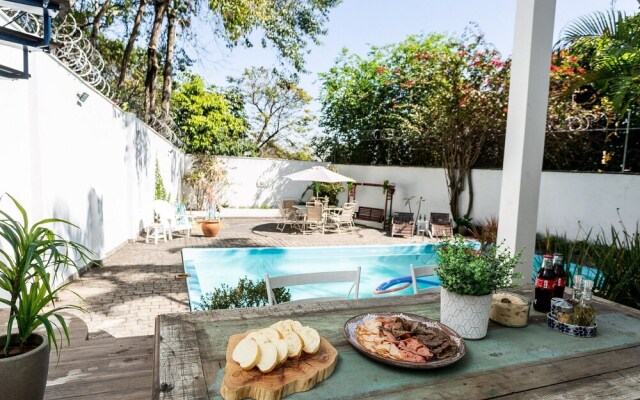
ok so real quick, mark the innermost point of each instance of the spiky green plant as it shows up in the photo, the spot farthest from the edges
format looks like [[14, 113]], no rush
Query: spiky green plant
[[30, 260]]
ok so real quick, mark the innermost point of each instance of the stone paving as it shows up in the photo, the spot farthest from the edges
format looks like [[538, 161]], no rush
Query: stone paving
[[138, 282]]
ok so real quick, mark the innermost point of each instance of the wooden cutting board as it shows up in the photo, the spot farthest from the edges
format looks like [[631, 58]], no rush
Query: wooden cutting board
[[291, 377]]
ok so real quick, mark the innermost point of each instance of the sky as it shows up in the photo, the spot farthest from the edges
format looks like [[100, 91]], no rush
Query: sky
[[359, 24]]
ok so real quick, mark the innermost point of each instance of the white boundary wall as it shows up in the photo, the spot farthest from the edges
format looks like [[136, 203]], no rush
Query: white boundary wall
[[89, 163], [569, 202]]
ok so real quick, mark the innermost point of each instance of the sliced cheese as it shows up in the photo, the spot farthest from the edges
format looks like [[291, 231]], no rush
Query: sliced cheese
[[246, 353], [268, 357]]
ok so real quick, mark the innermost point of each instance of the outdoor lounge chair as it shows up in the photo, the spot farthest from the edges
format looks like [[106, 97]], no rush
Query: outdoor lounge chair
[[418, 272], [274, 282], [171, 219], [440, 225], [402, 224]]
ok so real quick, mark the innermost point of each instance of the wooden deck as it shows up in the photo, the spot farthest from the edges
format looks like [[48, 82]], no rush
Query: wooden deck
[[110, 368], [514, 363]]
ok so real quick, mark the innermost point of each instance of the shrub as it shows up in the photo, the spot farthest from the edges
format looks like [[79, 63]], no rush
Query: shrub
[[247, 294], [466, 271]]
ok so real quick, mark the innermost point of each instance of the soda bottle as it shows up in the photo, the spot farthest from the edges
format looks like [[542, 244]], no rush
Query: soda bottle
[[561, 276], [545, 283]]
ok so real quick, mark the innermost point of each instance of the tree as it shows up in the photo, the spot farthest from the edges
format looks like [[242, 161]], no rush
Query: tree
[[429, 100], [209, 122], [611, 45], [276, 109]]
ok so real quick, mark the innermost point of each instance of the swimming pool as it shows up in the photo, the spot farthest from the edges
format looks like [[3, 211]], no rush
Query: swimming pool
[[209, 268]]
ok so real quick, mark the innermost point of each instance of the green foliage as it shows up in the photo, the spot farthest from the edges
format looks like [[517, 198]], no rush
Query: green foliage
[[277, 112], [615, 254], [611, 43], [29, 267], [400, 104], [466, 271], [286, 25], [247, 294], [161, 192], [210, 122]]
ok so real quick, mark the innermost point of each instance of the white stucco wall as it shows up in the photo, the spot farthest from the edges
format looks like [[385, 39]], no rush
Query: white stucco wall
[[569, 202], [89, 163]]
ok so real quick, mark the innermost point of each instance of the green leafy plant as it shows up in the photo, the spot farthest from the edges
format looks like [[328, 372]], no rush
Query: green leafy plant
[[29, 266], [161, 192], [466, 271], [246, 294]]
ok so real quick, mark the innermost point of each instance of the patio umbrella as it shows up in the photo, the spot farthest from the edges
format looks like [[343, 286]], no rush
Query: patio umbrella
[[319, 174]]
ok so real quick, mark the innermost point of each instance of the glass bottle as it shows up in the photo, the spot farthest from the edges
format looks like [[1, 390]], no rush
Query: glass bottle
[[577, 290], [584, 314], [561, 276], [545, 283]]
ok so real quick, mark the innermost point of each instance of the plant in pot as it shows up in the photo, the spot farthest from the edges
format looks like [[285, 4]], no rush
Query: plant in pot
[[208, 182], [468, 276], [31, 257]]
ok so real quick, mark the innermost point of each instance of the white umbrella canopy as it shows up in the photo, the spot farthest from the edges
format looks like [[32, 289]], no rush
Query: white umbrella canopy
[[319, 174]]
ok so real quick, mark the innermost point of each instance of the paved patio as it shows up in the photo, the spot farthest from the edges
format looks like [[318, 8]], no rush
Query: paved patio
[[138, 282]]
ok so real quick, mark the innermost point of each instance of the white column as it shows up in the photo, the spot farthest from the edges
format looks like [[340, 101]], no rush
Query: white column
[[524, 145]]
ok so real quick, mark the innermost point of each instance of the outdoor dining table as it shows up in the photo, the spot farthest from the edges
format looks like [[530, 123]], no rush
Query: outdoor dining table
[[517, 363]]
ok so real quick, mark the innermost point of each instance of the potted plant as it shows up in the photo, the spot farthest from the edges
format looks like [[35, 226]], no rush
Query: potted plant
[[30, 259], [468, 276], [208, 181]]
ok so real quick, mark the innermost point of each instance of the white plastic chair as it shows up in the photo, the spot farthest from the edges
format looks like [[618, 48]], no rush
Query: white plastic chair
[[275, 282], [418, 272], [167, 214]]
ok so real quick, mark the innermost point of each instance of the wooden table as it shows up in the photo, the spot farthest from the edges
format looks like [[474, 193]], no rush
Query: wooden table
[[518, 363]]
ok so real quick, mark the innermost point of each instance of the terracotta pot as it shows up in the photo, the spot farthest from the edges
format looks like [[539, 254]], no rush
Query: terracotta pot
[[467, 315], [210, 228], [25, 376]]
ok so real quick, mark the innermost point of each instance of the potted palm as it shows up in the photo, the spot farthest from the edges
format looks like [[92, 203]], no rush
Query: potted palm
[[468, 276], [208, 181], [31, 256]]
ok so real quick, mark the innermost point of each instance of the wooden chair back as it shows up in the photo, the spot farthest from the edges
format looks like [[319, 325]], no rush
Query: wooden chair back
[[274, 282]]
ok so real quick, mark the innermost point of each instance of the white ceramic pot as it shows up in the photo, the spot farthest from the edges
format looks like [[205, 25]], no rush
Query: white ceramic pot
[[467, 315]]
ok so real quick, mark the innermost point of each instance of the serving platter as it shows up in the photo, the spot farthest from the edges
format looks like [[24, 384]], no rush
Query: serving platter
[[350, 334]]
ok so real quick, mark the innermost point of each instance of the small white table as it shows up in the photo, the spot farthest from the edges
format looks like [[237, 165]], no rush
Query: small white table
[[155, 231]]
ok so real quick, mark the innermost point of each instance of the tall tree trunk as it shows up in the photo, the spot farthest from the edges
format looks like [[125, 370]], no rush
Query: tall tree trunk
[[97, 21], [131, 43], [168, 63], [160, 7]]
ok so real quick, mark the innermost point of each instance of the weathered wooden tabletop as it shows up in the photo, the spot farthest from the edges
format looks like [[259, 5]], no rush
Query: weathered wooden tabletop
[[514, 363]]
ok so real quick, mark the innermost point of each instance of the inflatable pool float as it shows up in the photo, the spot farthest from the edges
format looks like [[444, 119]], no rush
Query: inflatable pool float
[[396, 284]]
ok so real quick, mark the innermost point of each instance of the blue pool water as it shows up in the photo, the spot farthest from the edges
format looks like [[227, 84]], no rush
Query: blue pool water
[[209, 268]]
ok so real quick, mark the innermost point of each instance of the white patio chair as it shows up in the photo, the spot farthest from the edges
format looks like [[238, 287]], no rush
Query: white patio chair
[[314, 219], [343, 218], [275, 282], [418, 272], [171, 221], [288, 216]]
